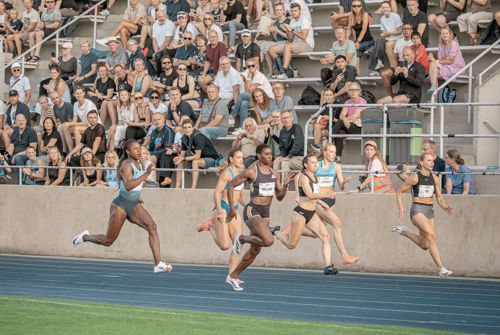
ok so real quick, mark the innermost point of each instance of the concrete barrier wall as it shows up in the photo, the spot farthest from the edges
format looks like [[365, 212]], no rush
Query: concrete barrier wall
[[43, 220]]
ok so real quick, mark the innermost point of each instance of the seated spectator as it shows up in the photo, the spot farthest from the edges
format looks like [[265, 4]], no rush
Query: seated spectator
[[300, 37], [177, 109], [152, 9], [391, 28], [477, 10], [160, 144], [376, 166], [142, 80], [262, 105], [342, 77], [215, 52], [229, 81], [345, 8], [92, 175], [213, 119], [4, 170], [282, 101], [493, 31], [183, 26], [10, 122], [417, 19], [110, 174], [197, 152], [397, 57], [174, 7], [278, 37], [50, 137], [88, 65], [161, 35], [248, 140], [411, 79], [186, 52], [3, 19], [125, 112], [359, 26], [291, 145], [30, 19], [79, 123], [13, 26], [246, 51], [23, 136], [45, 112], [122, 79], [103, 90], [252, 79], [304, 8], [420, 51], [50, 21], [342, 47], [94, 137], [34, 172], [20, 83], [187, 87], [67, 63], [210, 25], [459, 180], [349, 118], [63, 112], [2, 118], [138, 127], [323, 121], [57, 173], [135, 52], [56, 83], [263, 8], [272, 130], [146, 162], [450, 10], [155, 104], [233, 19], [199, 58], [116, 55], [134, 20], [167, 76], [449, 60]]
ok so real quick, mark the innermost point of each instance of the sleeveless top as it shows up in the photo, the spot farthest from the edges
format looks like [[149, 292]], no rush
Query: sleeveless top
[[263, 184], [34, 168], [326, 177], [54, 174], [91, 178], [368, 35], [233, 175], [135, 194], [124, 85], [184, 89], [425, 187], [138, 83], [110, 176], [66, 96], [312, 183]]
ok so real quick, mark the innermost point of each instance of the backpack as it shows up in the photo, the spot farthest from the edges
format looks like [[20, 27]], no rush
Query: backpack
[[69, 30], [447, 95], [368, 96], [326, 76], [310, 96]]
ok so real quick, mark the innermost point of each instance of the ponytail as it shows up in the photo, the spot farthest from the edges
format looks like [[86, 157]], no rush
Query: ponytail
[[227, 161]]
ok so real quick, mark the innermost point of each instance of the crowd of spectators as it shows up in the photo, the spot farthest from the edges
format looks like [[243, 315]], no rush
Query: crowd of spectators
[[167, 80]]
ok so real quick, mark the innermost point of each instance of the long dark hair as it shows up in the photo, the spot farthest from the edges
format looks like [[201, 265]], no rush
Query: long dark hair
[[305, 160], [455, 156], [126, 146]]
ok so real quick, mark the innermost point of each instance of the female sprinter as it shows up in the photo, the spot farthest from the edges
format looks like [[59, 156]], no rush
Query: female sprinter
[[310, 198], [424, 184], [222, 230], [264, 184], [128, 205]]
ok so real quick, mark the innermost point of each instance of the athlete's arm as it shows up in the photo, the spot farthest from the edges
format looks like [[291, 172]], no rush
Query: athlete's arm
[[219, 188], [409, 182], [281, 189], [340, 177], [126, 176], [439, 196], [248, 174]]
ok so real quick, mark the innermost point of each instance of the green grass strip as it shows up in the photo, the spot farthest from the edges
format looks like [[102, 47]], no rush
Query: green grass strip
[[24, 315]]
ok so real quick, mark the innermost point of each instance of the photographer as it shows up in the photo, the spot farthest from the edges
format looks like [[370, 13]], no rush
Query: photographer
[[248, 140]]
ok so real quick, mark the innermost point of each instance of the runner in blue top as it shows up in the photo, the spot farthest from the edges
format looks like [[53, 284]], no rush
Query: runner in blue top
[[128, 205], [224, 231]]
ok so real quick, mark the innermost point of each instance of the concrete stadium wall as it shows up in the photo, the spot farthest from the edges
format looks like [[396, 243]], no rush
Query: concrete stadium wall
[[43, 220]]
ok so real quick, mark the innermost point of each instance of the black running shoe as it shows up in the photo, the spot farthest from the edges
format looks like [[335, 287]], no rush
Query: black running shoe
[[274, 229], [330, 270]]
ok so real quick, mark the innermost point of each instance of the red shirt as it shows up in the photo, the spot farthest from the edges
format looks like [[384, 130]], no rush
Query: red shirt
[[213, 54], [421, 56]]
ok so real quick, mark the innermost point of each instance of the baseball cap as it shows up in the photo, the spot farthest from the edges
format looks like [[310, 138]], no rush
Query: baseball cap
[[15, 65], [246, 32], [13, 93], [85, 150], [181, 14], [372, 143]]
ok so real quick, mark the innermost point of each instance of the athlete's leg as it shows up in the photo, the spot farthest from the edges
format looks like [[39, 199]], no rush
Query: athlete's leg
[[291, 239], [235, 227], [143, 219], [219, 231], [418, 219], [427, 232], [117, 217], [329, 216], [319, 229]]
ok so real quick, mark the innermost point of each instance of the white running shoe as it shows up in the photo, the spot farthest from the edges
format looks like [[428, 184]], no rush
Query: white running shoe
[[162, 267], [105, 12], [237, 132], [445, 273], [398, 229], [78, 239], [234, 283], [237, 245], [380, 65], [282, 76]]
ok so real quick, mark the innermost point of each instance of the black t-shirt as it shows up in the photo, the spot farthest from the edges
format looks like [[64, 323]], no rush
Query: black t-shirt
[[349, 75], [235, 9], [175, 7], [415, 21], [184, 108], [90, 135], [168, 79], [22, 140], [55, 134], [103, 87], [198, 141], [65, 113], [248, 52], [124, 84]]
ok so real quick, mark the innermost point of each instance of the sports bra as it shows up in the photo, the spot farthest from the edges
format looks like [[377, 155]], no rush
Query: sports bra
[[233, 175], [312, 183], [263, 184], [425, 187], [326, 177]]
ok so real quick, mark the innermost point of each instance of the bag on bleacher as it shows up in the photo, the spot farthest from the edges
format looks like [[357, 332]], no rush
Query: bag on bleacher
[[326, 76], [310, 96], [263, 33], [368, 96], [69, 30], [447, 95]]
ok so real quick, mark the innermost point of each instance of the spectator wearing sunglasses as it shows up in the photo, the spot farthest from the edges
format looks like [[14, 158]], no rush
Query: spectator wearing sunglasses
[[20, 83], [183, 27], [185, 54]]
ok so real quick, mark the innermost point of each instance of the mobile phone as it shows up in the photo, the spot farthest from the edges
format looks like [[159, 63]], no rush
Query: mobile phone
[[53, 54]]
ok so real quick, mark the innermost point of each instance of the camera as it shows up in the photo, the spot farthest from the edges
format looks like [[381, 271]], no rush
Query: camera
[[362, 179]]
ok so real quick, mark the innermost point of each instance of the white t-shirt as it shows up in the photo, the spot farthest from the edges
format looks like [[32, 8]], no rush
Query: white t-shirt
[[162, 108], [190, 27], [21, 86], [30, 18], [304, 9], [82, 111], [162, 31], [302, 24], [226, 83], [376, 166], [263, 82], [391, 24], [399, 47]]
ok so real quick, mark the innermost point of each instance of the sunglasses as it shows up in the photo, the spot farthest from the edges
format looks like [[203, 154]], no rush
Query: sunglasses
[[250, 65], [208, 18], [16, 70], [181, 69], [138, 98], [356, 6], [155, 97]]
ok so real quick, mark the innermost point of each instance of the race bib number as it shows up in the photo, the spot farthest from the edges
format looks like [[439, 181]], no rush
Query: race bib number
[[266, 189], [315, 188], [425, 191], [325, 181]]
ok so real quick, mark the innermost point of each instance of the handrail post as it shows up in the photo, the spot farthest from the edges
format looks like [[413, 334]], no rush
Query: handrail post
[[384, 133], [20, 170], [441, 131], [57, 44], [433, 107], [95, 26], [330, 121], [70, 176], [183, 177], [469, 107]]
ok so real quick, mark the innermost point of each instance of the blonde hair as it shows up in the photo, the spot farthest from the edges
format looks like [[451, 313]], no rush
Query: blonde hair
[[117, 159], [58, 154]]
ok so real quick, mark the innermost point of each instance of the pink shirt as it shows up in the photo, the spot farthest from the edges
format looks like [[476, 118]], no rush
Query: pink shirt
[[352, 109]]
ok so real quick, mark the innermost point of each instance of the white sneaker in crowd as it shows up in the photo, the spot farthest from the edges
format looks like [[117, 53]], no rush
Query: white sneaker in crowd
[[380, 65]]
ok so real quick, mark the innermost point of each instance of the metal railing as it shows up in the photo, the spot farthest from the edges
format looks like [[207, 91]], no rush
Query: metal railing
[[84, 15], [470, 78], [385, 135]]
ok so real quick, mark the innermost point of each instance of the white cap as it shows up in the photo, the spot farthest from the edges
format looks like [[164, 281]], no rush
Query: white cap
[[15, 65]]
